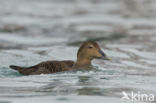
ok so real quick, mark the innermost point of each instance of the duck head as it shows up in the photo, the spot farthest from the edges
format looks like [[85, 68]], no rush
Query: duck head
[[87, 52]]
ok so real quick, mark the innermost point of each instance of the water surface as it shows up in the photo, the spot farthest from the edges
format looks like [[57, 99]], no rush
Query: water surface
[[36, 31]]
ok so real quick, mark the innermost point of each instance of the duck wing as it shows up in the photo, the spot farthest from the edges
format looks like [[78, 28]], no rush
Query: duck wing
[[47, 67]]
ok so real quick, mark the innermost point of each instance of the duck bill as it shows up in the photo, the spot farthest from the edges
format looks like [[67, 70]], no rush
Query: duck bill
[[104, 56]]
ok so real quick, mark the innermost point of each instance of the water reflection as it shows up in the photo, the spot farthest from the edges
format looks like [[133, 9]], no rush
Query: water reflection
[[83, 79], [90, 91]]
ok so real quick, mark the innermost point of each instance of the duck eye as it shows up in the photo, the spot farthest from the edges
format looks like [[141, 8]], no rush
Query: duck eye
[[90, 47]]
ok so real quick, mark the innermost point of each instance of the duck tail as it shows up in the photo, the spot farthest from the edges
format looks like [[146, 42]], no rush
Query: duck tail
[[18, 68]]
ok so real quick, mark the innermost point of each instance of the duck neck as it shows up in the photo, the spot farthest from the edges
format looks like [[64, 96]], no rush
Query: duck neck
[[82, 62]]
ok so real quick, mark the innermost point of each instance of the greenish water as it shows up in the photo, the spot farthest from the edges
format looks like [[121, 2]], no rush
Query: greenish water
[[42, 30]]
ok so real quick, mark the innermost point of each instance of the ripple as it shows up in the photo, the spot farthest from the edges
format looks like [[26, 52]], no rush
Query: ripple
[[136, 65], [29, 41], [116, 54], [44, 33], [144, 54]]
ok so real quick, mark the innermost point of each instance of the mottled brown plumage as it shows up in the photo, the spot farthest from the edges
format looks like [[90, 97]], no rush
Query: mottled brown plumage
[[87, 52]]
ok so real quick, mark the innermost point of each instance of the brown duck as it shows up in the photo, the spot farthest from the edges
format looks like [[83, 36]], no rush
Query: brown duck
[[87, 52]]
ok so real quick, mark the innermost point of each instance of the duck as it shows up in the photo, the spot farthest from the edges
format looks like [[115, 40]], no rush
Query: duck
[[88, 51]]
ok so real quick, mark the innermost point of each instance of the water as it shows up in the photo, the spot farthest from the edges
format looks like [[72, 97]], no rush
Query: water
[[36, 31]]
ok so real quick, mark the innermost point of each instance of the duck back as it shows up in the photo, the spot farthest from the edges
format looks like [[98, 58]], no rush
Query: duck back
[[47, 67]]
